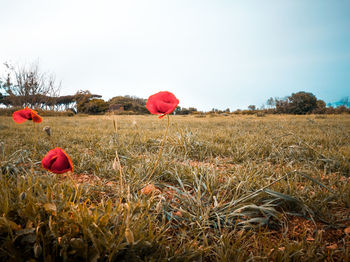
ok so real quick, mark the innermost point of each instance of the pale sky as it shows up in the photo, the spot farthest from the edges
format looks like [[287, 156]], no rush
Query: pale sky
[[210, 54]]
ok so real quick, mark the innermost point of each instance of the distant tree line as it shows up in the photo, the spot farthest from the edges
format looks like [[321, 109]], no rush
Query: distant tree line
[[302, 103], [299, 103], [27, 86]]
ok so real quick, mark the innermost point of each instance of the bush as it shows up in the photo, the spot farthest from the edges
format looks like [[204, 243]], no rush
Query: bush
[[94, 107], [130, 104]]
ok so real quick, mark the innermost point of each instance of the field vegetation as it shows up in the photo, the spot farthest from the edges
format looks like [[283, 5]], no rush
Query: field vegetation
[[226, 188]]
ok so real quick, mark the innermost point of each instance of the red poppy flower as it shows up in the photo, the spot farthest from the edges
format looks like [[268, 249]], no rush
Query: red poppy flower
[[25, 114], [57, 161], [162, 103]]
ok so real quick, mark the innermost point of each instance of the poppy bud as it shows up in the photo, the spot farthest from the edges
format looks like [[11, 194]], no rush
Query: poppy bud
[[129, 236], [37, 250], [47, 129], [22, 196]]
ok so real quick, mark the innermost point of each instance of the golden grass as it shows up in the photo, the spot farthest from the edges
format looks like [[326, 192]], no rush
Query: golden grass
[[227, 188]]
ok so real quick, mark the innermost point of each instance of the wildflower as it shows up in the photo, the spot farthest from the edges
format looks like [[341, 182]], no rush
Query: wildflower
[[162, 103], [57, 161], [25, 114]]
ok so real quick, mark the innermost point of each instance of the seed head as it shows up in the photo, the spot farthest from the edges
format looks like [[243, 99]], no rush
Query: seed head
[[129, 236], [47, 129]]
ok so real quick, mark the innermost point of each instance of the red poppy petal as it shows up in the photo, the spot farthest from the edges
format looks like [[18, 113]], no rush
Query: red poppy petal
[[18, 117], [27, 112], [162, 106], [47, 160], [60, 164], [52, 161], [22, 115], [69, 161], [35, 117], [166, 107], [162, 103], [151, 108]]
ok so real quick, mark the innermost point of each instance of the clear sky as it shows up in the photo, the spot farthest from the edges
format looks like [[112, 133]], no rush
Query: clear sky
[[210, 54]]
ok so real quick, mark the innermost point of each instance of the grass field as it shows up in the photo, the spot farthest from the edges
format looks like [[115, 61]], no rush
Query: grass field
[[226, 188]]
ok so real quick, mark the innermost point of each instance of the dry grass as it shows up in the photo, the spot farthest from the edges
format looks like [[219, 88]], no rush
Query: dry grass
[[227, 188]]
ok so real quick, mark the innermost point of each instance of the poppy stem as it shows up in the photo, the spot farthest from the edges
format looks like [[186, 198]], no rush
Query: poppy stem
[[116, 159], [120, 171], [161, 147], [51, 141], [36, 138]]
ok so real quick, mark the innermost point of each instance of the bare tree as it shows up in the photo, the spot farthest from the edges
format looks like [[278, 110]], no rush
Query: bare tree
[[26, 85], [271, 102]]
